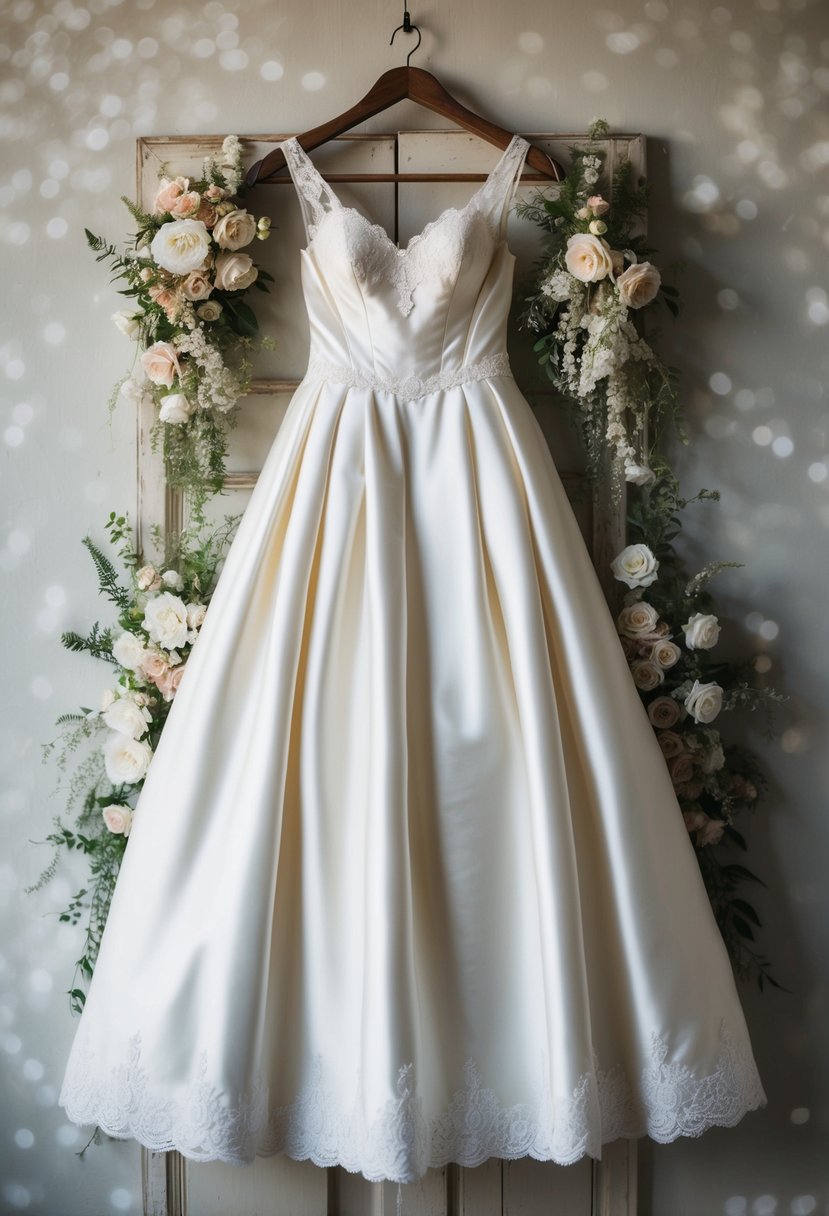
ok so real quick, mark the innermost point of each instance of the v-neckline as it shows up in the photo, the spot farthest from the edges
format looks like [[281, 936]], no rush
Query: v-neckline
[[403, 251]]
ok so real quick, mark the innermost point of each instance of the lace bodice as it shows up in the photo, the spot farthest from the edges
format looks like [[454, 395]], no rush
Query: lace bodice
[[423, 313]]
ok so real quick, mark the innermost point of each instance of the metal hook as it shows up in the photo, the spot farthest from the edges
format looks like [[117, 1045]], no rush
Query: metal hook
[[407, 28]]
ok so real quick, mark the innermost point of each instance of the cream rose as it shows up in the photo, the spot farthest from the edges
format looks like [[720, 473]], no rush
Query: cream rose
[[148, 579], [704, 701], [597, 204], [637, 619], [128, 650], [235, 229], [160, 363], [195, 615], [588, 258], [663, 712], [127, 320], [234, 271], [646, 675], [107, 697], [155, 663], [172, 579], [181, 246], [711, 831], [176, 407], [670, 742], [209, 311], [665, 654], [126, 717], [638, 284], [636, 566], [126, 760], [168, 683], [197, 286], [118, 818], [167, 193], [701, 631], [639, 474], [186, 205], [165, 619], [681, 768]]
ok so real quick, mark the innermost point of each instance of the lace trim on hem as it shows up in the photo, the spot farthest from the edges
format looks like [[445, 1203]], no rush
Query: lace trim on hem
[[400, 1143], [411, 387]]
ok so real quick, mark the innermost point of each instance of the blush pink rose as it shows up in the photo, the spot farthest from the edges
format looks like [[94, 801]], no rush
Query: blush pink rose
[[160, 362]]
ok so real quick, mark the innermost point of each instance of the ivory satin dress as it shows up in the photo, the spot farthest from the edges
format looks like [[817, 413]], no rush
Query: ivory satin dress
[[407, 882]]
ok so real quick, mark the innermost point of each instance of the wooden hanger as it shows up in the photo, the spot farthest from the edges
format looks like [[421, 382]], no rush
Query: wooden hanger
[[400, 84]]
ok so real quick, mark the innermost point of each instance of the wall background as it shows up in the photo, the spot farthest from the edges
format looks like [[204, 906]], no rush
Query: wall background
[[733, 99]]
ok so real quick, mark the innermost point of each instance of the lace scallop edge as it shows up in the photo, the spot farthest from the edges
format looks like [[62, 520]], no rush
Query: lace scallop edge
[[400, 1144]]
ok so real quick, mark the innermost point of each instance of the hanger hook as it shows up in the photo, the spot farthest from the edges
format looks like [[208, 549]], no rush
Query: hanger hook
[[407, 28]]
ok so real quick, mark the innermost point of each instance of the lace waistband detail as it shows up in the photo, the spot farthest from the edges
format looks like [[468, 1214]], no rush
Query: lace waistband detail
[[411, 387]]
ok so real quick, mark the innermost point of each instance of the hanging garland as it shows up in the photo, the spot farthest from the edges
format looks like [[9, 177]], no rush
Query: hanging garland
[[196, 331], [188, 276], [588, 297]]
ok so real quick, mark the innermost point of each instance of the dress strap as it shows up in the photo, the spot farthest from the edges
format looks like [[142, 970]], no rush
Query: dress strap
[[499, 189], [316, 197]]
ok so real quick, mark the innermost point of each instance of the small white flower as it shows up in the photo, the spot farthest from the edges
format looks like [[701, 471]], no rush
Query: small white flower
[[635, 566], [704, 701], [701, 631], [172, 578]]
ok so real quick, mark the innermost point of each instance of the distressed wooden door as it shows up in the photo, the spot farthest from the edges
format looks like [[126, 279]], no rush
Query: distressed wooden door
[[359, 166]]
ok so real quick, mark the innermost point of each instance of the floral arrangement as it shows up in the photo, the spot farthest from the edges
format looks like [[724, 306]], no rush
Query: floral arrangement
[[187, 274], [589, 291], [159, 615], [592, 280]]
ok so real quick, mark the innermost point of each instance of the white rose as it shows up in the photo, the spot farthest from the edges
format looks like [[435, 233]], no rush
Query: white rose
[[107, 697], [636, 566], [126, 717], [126, 760], [704, 701], [235, 229], [234, 271], [172, 578], [588, 258], [181, 246], [176, 407], [195, 615], [637, 619], [646, 675], [165, 619], [118, 818], [127, 321], [128, 650], [638, 284], [639, 474], [701, 631]]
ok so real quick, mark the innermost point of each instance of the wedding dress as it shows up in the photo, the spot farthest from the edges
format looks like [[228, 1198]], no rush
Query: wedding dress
[[407, 882]]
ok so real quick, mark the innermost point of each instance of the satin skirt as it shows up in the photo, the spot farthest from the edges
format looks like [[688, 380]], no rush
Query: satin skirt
[[407, 881]]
